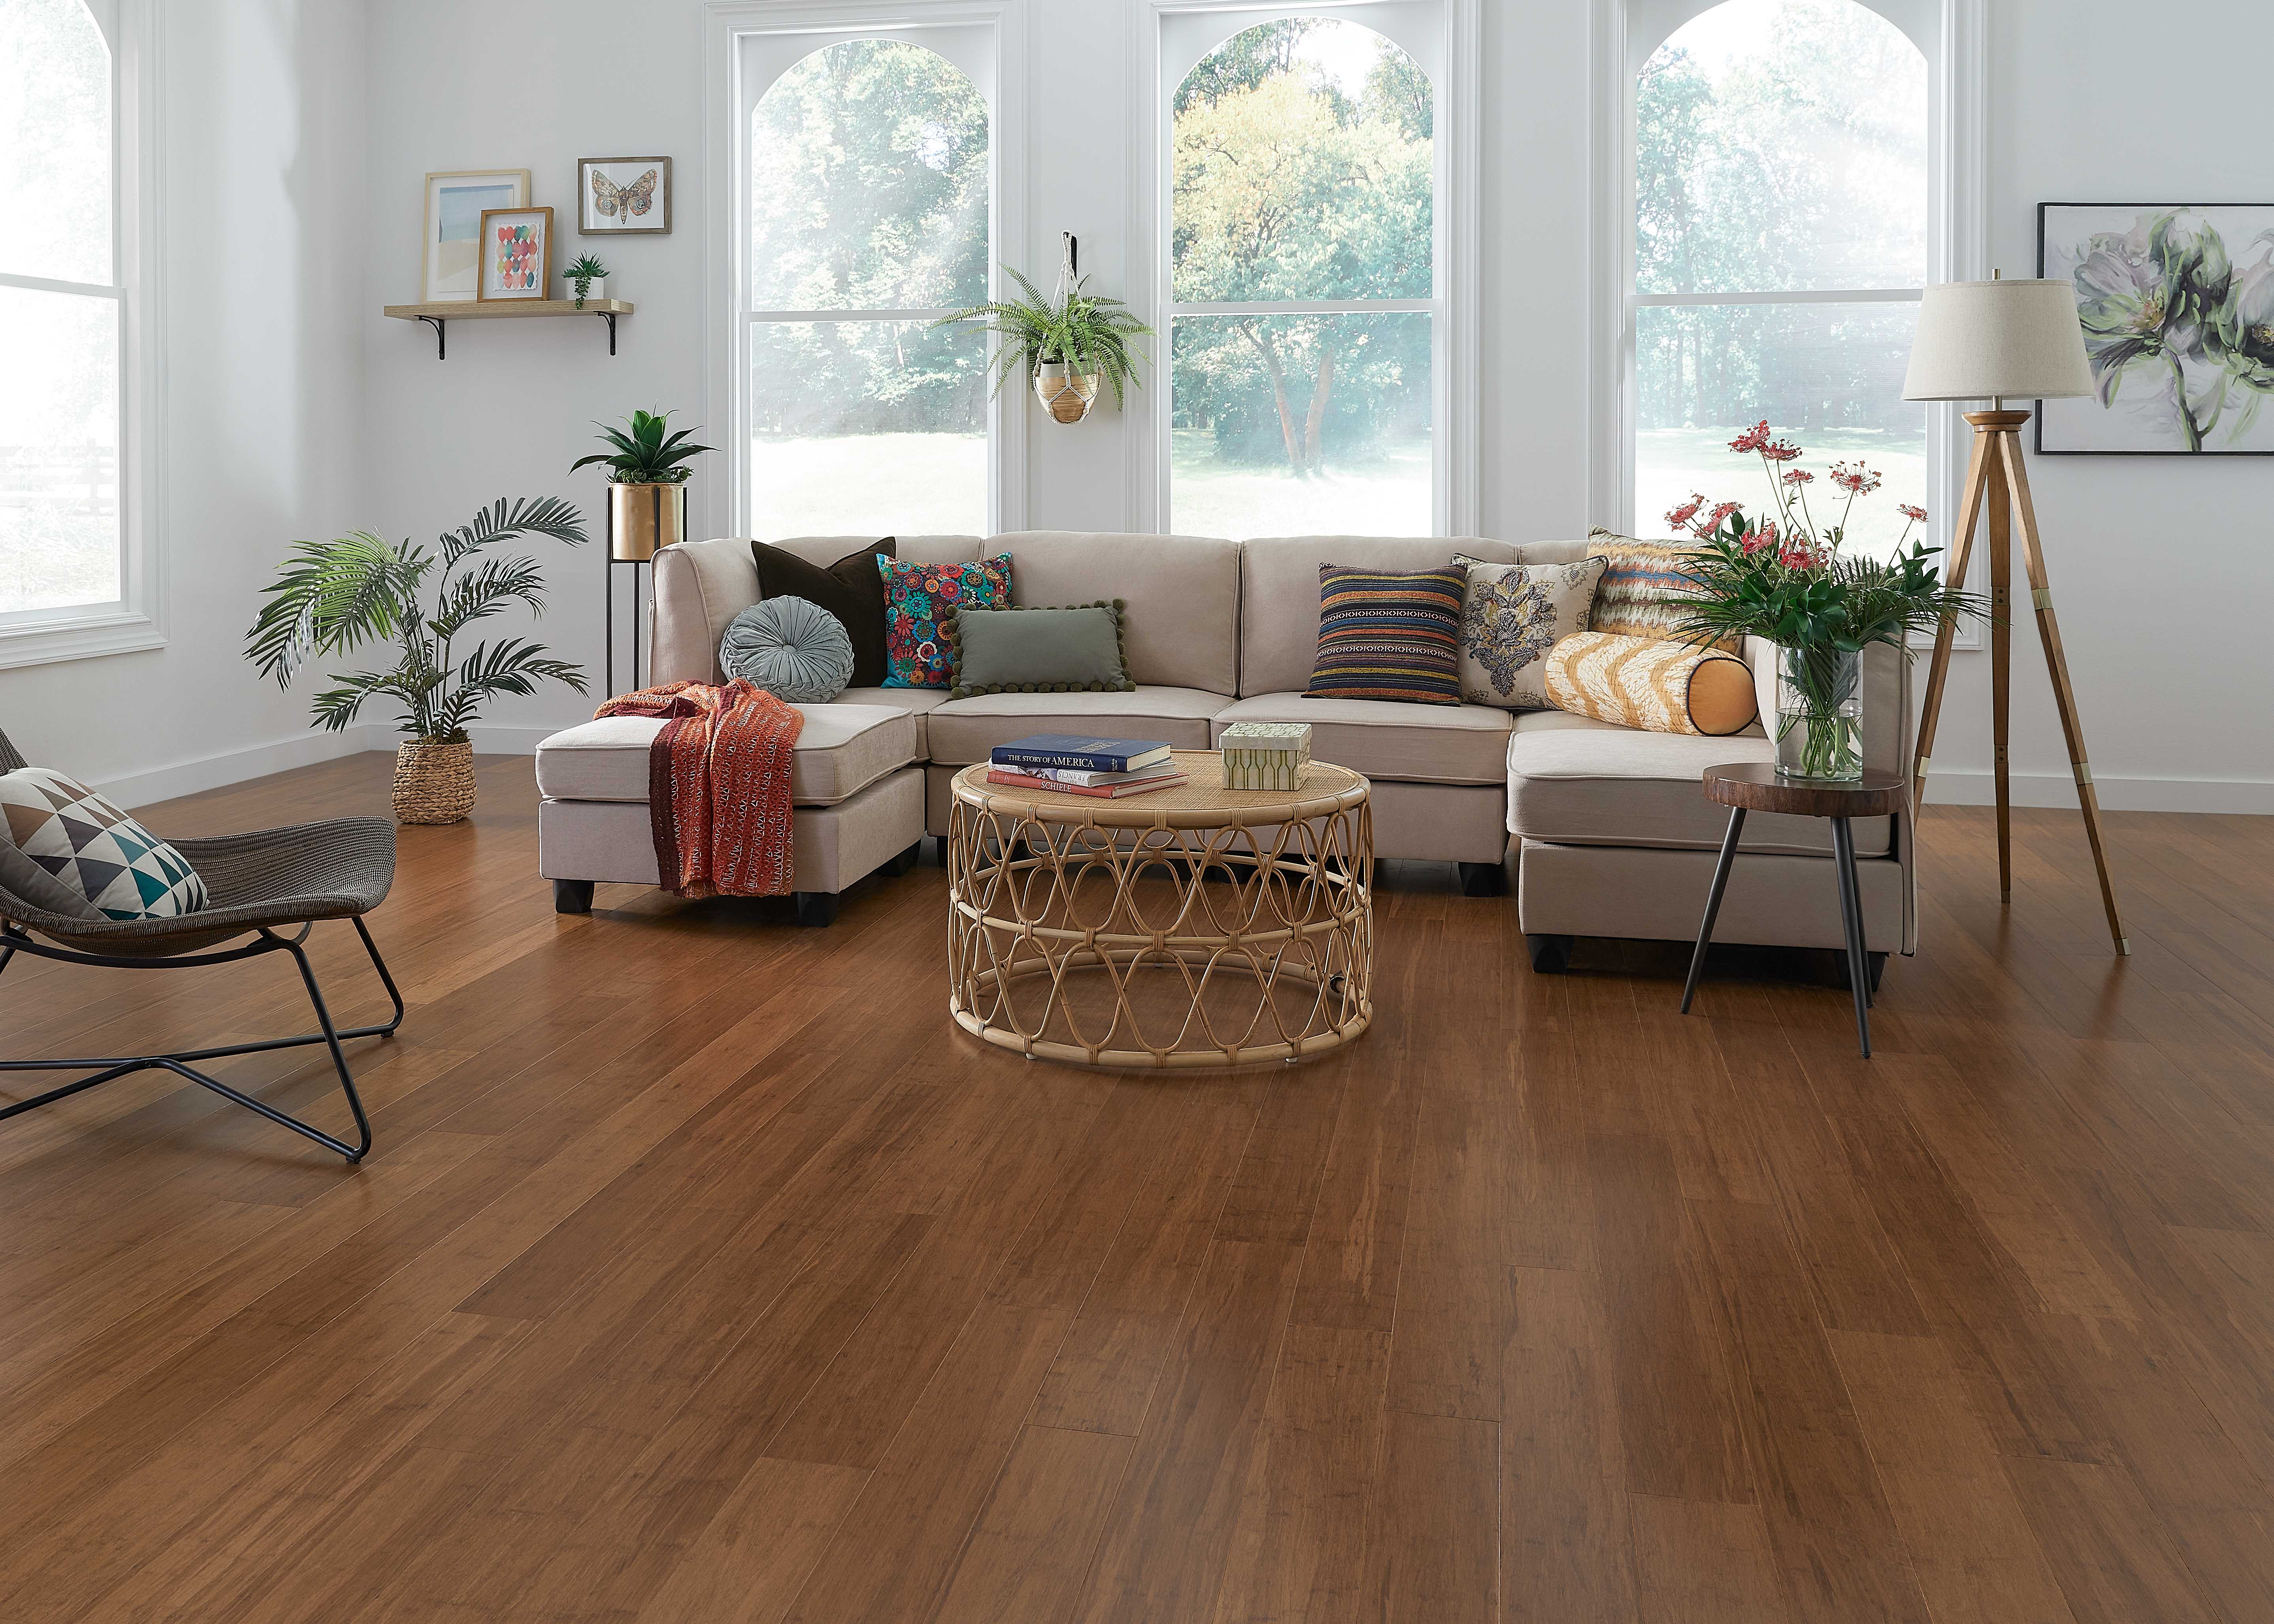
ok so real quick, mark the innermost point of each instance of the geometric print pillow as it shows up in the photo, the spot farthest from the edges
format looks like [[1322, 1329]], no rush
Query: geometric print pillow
[[95, 856]]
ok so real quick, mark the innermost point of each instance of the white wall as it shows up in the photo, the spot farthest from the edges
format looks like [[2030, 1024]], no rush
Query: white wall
[[299, 408], [262, 120]]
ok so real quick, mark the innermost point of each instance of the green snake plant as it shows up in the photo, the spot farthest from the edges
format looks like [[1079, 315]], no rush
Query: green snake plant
[[644, 454], [331, 597]]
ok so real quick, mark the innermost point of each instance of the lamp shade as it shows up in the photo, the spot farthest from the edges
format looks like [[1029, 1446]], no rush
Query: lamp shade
[[1981, 339]]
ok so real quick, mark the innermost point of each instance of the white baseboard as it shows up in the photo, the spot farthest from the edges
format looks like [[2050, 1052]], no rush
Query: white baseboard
[[1963, 788], [204, 772]]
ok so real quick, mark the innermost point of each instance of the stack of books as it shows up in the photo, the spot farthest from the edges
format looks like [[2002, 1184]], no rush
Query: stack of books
[[1069, 764]]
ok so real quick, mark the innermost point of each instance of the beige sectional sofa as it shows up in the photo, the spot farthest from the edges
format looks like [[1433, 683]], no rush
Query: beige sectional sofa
[[1615, 839]]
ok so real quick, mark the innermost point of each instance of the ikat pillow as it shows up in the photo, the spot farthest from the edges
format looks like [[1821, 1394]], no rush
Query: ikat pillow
[[918, 598], [93, 853]]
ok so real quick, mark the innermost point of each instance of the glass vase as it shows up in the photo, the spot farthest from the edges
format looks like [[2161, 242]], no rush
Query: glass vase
[[1819, 723]]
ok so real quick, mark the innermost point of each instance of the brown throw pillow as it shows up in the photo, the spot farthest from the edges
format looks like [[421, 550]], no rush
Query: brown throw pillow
[[852, 589]]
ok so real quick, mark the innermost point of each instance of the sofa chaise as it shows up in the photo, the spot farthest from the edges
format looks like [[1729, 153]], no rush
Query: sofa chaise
[[1613, 836]]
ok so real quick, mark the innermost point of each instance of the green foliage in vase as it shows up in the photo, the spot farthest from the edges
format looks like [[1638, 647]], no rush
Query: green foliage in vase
[[647, 451], [1082, 331], [330, 598]]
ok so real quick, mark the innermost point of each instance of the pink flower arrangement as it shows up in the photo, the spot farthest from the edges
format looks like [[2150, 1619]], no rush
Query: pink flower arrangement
[[1793, 538]]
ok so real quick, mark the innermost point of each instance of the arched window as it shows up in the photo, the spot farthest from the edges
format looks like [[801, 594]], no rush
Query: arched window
[[868, 172], [1780, 239], [1303, 289], [62, 309]]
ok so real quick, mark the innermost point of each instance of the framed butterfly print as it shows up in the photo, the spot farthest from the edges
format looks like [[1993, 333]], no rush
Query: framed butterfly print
[[450, 268], [623, 197], [516, 253]]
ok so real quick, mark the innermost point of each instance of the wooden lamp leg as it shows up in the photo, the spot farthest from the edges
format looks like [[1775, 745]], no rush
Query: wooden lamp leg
[[2041, 594], [1961, 554], [2001, 659]]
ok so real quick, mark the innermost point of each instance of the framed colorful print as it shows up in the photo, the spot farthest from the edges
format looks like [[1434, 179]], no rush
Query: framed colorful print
[[2177, 300], [623, 197], [450, 268], [516, 253]]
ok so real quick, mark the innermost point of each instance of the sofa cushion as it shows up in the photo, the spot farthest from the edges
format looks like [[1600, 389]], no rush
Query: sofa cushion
[[700, 586], [963, 731], [1384, 739], [843, 750], [919, 703], [1579, 782], [1180, 596], [1279, 591]]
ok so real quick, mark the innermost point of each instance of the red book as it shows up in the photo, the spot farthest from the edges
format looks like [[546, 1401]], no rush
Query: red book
[[1103, 792]]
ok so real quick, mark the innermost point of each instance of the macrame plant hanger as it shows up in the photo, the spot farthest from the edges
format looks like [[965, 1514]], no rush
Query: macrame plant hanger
[[1066, 393]]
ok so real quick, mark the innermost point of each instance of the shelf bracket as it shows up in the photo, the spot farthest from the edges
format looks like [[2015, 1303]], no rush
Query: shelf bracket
[[609, 317], [441, 351]]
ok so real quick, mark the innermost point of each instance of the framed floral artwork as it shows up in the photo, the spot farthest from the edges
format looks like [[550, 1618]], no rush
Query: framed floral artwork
[[2177, 302], [450, 268], [516, 253], [623, 197]]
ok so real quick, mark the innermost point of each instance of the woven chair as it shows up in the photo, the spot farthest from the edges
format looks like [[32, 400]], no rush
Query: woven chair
[[262, 883]]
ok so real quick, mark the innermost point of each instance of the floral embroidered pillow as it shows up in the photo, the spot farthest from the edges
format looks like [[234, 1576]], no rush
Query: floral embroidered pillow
[[1512, 615], [919, 598]]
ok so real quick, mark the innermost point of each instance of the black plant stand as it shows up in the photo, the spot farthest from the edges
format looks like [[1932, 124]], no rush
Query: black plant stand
[[635, 566], [1755, 786]]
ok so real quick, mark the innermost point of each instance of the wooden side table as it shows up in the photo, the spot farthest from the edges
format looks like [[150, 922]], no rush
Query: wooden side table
[[1755, 786]]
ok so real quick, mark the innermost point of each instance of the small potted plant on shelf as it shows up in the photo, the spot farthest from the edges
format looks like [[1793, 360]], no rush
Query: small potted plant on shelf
[[588, 277], [647, 465], [1066, 343], [333, 597], [1784, 579]]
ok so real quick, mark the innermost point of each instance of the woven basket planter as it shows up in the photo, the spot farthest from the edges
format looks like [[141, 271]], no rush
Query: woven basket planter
[[433, 781], [1068, 396]]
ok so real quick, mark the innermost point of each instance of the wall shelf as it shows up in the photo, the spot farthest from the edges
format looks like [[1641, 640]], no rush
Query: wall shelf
[[486, 310]]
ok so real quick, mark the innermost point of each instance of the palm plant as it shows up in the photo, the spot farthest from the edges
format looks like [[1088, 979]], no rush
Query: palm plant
[[1079, 331], [647, 455], [332, 596]]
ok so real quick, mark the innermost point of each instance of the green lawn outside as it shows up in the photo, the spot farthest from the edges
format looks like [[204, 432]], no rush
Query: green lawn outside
[[1388, 496], [891, 484]]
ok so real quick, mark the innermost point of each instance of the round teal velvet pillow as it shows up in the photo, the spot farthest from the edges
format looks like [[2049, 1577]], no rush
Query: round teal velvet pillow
[[791, 647]]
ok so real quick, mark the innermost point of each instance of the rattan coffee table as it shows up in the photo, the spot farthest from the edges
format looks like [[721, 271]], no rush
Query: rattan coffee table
[[1190, 927]]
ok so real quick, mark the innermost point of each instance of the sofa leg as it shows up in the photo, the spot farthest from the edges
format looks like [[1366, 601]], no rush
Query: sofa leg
[[1483, 879], [572, 895], [896, 866], [816, 908], [1551, 955]]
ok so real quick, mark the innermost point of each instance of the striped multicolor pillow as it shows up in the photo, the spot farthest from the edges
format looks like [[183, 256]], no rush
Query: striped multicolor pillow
[[1389, 633]]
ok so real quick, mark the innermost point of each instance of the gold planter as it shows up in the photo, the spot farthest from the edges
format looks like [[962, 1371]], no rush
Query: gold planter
[[433, 781], [1067, 395], [642, 518]]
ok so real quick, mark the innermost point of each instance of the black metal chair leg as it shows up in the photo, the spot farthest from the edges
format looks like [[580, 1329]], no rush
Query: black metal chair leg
[[1713, 904], [1851, 916]]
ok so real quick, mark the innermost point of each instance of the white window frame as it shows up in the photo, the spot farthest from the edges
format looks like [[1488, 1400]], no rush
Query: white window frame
[[135, 620], [1624, 35], [726, 508], [1453, 60]]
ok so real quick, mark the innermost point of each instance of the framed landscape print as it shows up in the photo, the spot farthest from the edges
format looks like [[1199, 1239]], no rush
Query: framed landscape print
[[449, 269], [516, 253], [2177, 301], [623, 197]]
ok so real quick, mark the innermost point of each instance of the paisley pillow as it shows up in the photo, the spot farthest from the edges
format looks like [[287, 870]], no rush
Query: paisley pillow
[[1512, 615], [918, 598], [794, 648]]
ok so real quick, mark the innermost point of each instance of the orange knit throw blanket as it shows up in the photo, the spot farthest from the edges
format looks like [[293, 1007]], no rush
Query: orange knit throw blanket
[[718, 786]]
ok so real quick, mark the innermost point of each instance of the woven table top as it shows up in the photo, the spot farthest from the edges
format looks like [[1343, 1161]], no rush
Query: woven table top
[[1200, 802]]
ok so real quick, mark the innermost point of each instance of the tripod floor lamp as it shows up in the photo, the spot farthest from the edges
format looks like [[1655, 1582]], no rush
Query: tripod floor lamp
[[1997, 341]]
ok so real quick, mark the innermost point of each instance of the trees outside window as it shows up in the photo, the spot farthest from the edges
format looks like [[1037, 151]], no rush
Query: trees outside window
[[868, 166], [61, 306], [1302, 287], [1780, 244]]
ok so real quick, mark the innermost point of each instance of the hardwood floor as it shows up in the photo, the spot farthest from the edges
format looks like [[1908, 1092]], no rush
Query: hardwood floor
[[702, 1273]]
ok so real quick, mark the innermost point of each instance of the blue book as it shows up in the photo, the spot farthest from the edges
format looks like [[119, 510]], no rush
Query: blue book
[[1073, 750]]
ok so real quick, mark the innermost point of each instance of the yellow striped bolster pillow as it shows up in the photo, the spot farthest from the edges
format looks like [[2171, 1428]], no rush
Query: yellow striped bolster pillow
[[1652, 683]]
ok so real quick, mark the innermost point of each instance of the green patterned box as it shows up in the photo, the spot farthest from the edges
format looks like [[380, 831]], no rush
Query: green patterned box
[[1265, 754]]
